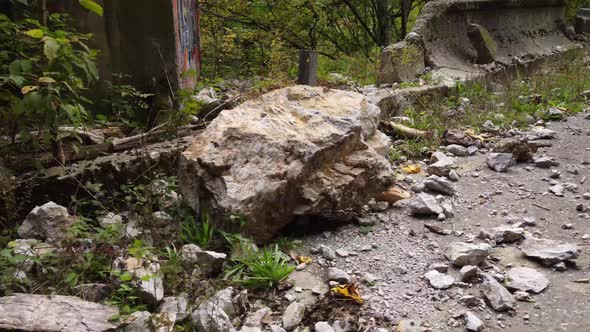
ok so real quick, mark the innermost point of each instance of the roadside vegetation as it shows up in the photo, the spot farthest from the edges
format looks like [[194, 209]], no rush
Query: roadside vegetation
[[509, 103]]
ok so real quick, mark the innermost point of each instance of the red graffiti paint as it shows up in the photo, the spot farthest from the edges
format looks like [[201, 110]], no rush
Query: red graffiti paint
[[186, 30]]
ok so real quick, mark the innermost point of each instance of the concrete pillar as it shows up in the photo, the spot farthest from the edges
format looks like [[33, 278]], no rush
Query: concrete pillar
[[308, 67]]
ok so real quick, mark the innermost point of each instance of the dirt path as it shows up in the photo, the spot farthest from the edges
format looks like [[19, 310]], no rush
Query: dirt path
[[399, 250]]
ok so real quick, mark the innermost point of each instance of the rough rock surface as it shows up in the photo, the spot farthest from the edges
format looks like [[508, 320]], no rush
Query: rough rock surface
[[147, 278], [293, 315], [29, 312], [520, 148], [439, 280], [483, 43], [401, 62], [425, 204], [505, 234], [214, 315], [461, 254], [549, 252], [295, 151], [499, 162], [49, 222], [526, 279], [499, 297]]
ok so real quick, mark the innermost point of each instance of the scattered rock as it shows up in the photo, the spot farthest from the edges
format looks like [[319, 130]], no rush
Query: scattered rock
[[472, 323], [541, 133], [439, 280], [56, 313], [254, 319], [214, 315], [441, 164], [457, 150], [489, 127], [210, 262], [500, 162], [323, 327], [549, 252], [499, 297], [49, 222], [453, 176], [455, 136], [409, 325], [505, 234], [526, 279], [468, 272], [557, 190], [520, 148], [545, 162], [472, 301], [293, 315], [523, 296], [327, 252], [110, 219], [439, 184], [370, 279], [175, 305], [440, 267], [335, 274], [425, 204], [461, 254]]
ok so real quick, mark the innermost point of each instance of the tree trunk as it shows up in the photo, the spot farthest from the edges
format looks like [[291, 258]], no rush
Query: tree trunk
[[383, 22]]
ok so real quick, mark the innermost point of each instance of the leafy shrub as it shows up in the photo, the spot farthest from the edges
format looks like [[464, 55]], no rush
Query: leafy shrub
[[201, 233]]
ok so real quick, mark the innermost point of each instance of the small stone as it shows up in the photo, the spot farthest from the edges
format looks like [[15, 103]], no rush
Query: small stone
[[342, 253], [49, 222], [499, 297], [293, 315], [472, 301], [323, 327], [526, 279], [567, 226], [529, 221], [468, 272], [545, 162], [439, 280], [504, 234], [472, 323], [370, 279], [335, 274], [425, 204], [461, 254], [440, 267], [441, 164], [457, 150], [549, 252], [523, 296], [327, 252], [471, 150], [557, 190], [409, 325], [489, 127], [500, 162], [438, 184], [453, 176], [560, 267]]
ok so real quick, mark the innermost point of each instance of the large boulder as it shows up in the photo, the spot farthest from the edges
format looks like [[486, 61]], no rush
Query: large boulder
[[30, 312], [295, 151], [49, 222], [401, 62]]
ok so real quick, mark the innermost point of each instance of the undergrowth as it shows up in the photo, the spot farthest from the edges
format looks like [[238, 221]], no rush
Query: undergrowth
[[509, 104]]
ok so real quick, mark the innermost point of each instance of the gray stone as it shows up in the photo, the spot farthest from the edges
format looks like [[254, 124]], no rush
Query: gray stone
[[526, 279], [453, 176], [342, 252], [370, 279], [457, 150], [254, 319], [409, 325], [215, 314], [557, 190], [323, 327], [175, 305], [545, 162], [523, 296], [439, 184], [342, 326], [541, 133], [439, 280], [49, 222], [461, 254], [293, 315], [520, 148], [276, 328], [327, 252], [138, 321], [472, 323], [549, 252], [468, 272], [440, 267], [500, 162], [110, 219], [425, 204], [144, 321], [56, 313], [401, 62], [301, 142], [209, 262], [441, 164], [505, 234], [489, 127], [472, 301], [335, 274], [95, 292], [499, 297]]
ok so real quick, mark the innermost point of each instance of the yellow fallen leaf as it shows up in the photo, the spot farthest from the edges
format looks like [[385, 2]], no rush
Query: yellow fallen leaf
[[349, 291], [304, 259], [28, 88], [412, 169]]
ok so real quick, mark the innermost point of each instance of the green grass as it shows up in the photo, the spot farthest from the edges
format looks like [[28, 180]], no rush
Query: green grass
[[557, 85], [199, 233]]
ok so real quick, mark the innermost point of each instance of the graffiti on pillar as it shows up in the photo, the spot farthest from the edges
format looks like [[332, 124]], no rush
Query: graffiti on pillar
[[186, 21]]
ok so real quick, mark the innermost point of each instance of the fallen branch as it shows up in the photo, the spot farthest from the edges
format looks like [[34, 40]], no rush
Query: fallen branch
[[408, 132]]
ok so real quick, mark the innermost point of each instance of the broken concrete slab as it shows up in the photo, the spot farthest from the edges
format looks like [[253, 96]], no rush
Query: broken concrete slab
[[295, 151], [483, 43], [401, 62], [56, 313]]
